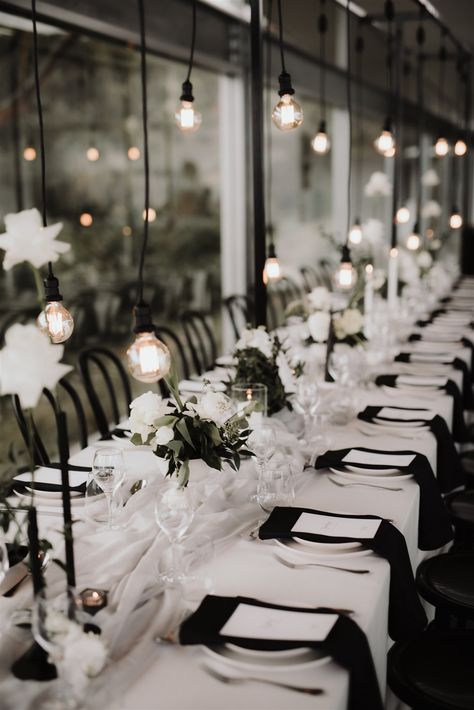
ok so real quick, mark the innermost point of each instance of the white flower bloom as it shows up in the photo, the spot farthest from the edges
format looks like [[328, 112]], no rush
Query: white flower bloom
[[424, 259], [373, 231], [255, 338], [319, 299], [350, 322], [28, 363], [431, 209], [378, 185], [215, 406], [430, 178], [86, 651], [144, 411], [162, 436], [318, 325], [286, 373], [408, 270], [26, 239]]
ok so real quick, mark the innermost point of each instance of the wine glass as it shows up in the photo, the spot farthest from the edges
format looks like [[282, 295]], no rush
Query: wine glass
[[174, 514], [275, 487], [108, 473], [262, 442], [306, 402]]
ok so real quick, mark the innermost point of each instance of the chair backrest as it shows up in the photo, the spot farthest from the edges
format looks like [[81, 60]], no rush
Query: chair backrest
[[239, 310], [29, 429], [200, 339], [310, 278], [178, 355], [101, 370]]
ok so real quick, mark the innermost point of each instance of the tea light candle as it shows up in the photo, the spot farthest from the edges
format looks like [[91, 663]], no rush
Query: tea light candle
[[93, 600]]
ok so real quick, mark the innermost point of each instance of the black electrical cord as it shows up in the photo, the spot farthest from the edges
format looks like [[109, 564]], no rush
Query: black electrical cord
[[420, 40], [193, 42], [143, 74], [359, 48], [349, 111], [39, 106], [389, 16], [269, 130], [442, 67], [322, 29], [280, 27]]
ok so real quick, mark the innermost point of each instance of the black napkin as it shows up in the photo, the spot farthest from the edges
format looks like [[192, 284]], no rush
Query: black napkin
[[450, 473], [52, 487], [467, 342], [16, 553], [458, 364], [346, 643], [460, 432], [406, 614], [434, 527]]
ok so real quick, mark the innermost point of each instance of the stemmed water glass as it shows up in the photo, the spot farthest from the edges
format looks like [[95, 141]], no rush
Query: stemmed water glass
[[262, 442], [108, 472], [4, 564], [174, 513], [275, 487], [306, 402]]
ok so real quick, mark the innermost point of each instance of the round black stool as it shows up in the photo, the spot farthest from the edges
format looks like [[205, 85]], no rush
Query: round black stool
[[434, 671], [447, 582], [460, 507]]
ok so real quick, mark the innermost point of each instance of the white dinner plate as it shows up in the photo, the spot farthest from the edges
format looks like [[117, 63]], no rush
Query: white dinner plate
[[323, 545], [371, 471], [321, 550], [238, 657], [344, 473], [398, 423]]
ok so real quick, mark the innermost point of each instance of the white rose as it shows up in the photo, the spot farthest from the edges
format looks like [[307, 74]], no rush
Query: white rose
[[431, 209], [430, 178], [162, 436], [373, 231], [255, 338], [424, 259], [319, 299], [318, 324], [144, 411], [351, 321], [215, 406], [378, 185], [85, 650], [286, 373]]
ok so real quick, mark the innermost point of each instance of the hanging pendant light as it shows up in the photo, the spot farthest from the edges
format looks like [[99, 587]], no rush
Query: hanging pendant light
[[345, 276], [414, 239], [287, 114], [54, 320], [460, 147], [272, 269], [321, 143], [455, 219], [355, 232], [385, 143], [187, 118], [403, 215], [441, 147], [148, 359]]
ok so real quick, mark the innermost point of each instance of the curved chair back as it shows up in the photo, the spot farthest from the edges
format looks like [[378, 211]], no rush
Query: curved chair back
[[178, 354], [104, 377], [239, 310], [310, 277], [29, 430], [200, 339]]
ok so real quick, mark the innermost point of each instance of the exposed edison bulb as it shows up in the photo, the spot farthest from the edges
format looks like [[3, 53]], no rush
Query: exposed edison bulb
[[455, 220], [272, 270], [149, 359], [321, 143], [460, 147], [345, 276], [390, 153], [133, 153], [56, 321], [92, 154], [385, 143], [413, 241], [187, 118], [355, 233], [403, 215], [29, 154], [441, 147], [287, 114]]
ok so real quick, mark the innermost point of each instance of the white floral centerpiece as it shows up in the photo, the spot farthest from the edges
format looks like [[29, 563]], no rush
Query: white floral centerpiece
[[26, 239], [260, 357], [209, 429]]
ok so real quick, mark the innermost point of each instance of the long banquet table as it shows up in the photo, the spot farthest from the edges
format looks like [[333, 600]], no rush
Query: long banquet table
[[144, 674]]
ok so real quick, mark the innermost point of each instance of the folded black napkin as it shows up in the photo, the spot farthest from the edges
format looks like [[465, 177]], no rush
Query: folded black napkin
[[460, 432], [346, 643], [449, 470], [16, 553], [406, 614], [458, 364], [467, 342], [434, 527], [118, 432]]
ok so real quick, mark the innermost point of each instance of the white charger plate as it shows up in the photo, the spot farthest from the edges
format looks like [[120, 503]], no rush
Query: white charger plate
[[239, 657], [319, 550], [350, 475], [371, 471], [397, 423]]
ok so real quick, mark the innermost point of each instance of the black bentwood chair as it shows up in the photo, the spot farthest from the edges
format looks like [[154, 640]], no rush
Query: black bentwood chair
[[178, 355], [239, 309], [434, 671], [447, 582], [106, 383], [202, 344], [29, 429], [460, 507]]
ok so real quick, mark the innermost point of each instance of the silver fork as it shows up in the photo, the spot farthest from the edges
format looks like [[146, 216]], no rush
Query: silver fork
[[253, 679], [369, 485], [302, 565]]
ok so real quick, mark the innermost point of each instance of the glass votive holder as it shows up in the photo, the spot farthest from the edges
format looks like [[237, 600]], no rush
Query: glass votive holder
[[92, 600], [250, 399]]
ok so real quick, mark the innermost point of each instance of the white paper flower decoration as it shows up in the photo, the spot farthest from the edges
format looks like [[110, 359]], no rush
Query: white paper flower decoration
[[378, 185], [373, 231], [27, 240], [430, 178], [431, 209], [28, 363]]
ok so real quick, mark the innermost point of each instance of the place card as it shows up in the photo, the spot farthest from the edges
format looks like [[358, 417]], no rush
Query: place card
[[430, 346], [258, 622], [52, 476], [200, 387], [394, 413], [422, 380], [335, 527], [432, 357], [376, 458]]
